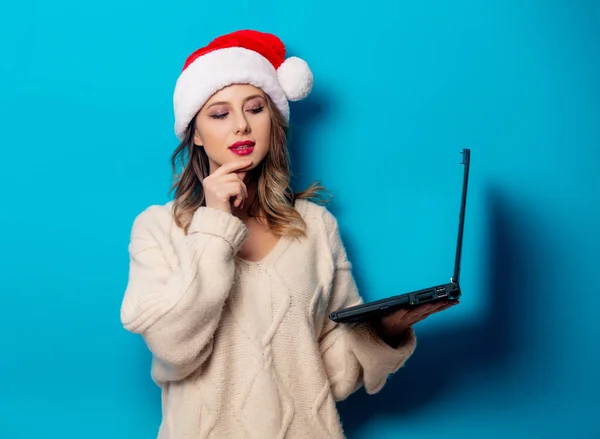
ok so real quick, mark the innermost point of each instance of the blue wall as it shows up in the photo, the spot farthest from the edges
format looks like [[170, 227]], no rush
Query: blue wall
[[86, 135]]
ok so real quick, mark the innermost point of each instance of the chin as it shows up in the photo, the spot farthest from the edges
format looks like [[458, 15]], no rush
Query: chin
[[255, 156]]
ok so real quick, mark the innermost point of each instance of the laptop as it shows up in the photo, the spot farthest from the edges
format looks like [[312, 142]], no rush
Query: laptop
[[445, 291]]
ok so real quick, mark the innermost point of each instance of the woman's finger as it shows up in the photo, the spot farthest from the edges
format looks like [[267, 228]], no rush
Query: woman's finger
[[422, 312], [441, 307], [235, 190], [423, 309]]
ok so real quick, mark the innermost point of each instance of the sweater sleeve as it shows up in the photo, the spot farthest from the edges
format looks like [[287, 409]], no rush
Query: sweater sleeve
[[353, 354], [176, 309]]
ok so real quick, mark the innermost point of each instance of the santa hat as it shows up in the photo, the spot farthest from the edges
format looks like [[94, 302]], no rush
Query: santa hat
[[241, 57]]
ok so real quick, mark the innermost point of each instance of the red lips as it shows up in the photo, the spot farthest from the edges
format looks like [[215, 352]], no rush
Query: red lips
[[243, 143]]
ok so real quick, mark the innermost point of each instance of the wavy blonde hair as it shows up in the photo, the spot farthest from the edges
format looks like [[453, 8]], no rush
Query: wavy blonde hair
[[275, 198]]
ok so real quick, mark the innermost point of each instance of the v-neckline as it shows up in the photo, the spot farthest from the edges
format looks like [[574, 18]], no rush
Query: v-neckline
[[271, 254], [280, 246]]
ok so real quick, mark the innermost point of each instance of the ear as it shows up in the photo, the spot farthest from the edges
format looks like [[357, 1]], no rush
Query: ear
[[197, 140]]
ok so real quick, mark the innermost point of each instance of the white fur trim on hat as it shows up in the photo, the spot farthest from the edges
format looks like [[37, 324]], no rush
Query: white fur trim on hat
[[215, 70], [295, 78]]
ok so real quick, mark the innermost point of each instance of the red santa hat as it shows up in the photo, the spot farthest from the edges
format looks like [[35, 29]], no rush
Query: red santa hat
[[241, 57]]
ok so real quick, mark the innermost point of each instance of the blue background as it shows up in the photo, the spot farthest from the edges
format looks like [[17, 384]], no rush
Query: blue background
[[86, 133]]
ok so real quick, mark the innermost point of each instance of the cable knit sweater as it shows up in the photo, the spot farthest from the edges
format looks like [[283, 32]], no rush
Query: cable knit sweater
[[246, 349]]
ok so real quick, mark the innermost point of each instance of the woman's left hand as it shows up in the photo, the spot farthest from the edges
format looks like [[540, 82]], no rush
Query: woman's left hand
[[392, 326]]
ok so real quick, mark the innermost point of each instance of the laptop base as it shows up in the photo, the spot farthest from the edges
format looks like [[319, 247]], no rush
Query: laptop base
[[379, 308]]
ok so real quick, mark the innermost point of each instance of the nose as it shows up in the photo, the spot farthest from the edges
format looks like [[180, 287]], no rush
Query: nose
[[241, 124]]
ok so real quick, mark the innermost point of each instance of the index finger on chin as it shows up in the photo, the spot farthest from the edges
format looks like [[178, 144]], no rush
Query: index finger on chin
[[232, 166]]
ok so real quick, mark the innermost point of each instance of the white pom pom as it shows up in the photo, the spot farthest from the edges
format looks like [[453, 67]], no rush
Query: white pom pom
[[295, 78]]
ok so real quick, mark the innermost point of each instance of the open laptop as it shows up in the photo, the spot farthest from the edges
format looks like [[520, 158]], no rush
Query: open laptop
[[446, 291]]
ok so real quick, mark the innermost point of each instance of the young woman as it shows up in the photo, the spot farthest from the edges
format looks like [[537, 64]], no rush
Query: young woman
[[231, 284]]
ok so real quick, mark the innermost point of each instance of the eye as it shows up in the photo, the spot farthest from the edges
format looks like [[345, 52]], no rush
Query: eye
[[219, 116], [256, 110]]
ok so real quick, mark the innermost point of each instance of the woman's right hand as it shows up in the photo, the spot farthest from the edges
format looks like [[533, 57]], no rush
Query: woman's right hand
[[225, 184]]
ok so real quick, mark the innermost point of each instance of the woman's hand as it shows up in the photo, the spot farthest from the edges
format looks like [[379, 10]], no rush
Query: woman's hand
[[226, 183], [391, 328]]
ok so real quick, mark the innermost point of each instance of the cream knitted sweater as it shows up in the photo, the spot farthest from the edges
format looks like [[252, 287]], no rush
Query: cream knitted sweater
[[246, 349]]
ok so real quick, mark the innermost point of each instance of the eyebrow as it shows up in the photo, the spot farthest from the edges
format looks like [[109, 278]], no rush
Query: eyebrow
[[227, 103]]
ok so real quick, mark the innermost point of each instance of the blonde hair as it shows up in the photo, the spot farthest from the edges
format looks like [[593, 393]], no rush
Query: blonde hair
[[275, 198]]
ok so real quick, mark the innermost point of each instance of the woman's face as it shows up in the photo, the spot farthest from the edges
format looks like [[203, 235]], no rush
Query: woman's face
[[234, 124]]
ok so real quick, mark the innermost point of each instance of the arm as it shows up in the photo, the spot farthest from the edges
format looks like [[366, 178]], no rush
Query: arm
[[355, 355], [177, 309]]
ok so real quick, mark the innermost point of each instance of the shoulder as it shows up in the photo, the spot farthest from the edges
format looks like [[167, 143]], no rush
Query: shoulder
[[154, 219], [155, 214], [317, 217], [322, 227]]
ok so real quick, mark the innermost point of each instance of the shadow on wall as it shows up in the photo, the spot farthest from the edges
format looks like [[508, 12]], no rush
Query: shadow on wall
[[459, 351]]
